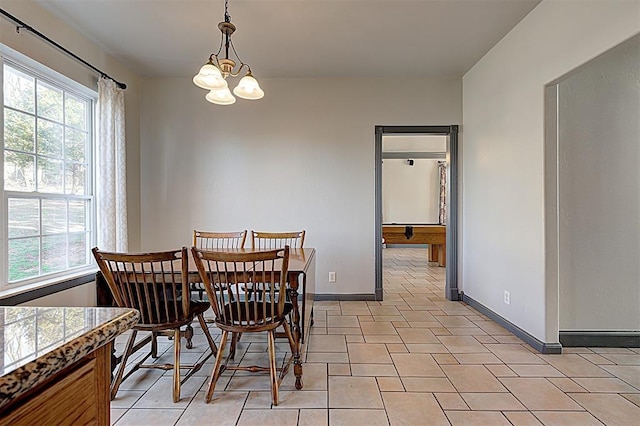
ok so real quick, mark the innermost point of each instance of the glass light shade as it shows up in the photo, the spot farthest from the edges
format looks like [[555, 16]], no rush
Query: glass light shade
[[248, 88], [221, 97], [210, 78]]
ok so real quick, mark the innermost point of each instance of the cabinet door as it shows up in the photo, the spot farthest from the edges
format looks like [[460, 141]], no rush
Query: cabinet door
[[78, 395]]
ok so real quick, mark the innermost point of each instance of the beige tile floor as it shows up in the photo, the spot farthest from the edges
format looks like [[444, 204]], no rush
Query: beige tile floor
[[413, 359]]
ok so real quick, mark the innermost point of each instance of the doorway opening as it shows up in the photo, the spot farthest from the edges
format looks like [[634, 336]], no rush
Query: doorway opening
[[451, 158]]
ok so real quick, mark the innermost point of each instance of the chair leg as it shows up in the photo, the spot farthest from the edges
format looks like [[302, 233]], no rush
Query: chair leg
[[235, 338], [154, 344], [232, 348], [207, 333], [272, 367], [176, 365], [123, 363], [215, 374]]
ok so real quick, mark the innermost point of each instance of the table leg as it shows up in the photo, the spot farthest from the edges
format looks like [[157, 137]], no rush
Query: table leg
[[114, 359], [437, 253], [297, 362], [442, 255]]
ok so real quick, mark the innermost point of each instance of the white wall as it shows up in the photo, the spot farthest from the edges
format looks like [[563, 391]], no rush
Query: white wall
[[502, 154], [410, 194], [599, 193], [302, 157], [39, 50]]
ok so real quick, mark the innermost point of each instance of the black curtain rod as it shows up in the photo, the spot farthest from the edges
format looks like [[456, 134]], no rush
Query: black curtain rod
[[23, 25]]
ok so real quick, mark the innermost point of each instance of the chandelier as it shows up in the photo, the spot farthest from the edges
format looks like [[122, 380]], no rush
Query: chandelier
[[213, 75]]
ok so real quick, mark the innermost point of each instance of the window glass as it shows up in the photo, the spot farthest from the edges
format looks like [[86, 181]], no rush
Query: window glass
[[19, 171], [50, 104], [19, 90], [50, 138], [24, 217], [47, 174], [19, 131], [75, 112]]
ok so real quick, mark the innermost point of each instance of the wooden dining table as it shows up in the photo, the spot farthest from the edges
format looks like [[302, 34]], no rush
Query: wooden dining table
[[301, 290]]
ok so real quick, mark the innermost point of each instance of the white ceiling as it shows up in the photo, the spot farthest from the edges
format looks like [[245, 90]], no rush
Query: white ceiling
[[298, 38]]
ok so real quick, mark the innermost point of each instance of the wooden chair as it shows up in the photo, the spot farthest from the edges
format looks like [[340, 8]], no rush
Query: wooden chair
[[218, 240], [274, 240], [157, 285], [225, 276], [207, 240]]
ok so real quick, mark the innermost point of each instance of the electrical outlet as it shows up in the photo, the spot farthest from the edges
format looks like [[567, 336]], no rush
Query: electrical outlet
[[507, 297], [332, 277]]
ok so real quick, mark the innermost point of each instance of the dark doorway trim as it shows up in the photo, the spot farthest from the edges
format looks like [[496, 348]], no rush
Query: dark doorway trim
[[451, 285], [406, 155], [600, 339]]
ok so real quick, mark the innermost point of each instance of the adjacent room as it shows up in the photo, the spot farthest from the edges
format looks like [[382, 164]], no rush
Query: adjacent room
[[311, 212]]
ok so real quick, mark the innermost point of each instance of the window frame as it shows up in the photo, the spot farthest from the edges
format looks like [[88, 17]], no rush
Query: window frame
[[50, 77]]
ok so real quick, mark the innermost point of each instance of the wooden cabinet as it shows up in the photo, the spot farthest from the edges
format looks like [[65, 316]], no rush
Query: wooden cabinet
[[77, 395]]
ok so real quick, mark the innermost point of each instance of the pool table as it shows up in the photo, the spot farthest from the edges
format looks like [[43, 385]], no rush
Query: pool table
[[433, 235]]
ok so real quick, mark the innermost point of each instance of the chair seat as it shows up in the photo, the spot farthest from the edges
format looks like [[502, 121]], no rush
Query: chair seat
[[195, 308], [199, 307], [256, 315]]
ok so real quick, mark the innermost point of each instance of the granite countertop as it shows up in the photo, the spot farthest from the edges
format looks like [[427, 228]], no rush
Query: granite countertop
[[36, 343]]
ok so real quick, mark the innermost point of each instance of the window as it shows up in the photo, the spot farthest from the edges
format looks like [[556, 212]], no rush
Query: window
[[48, 192]]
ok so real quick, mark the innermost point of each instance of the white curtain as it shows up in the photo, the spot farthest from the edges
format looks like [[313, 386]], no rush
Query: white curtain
[[111, 186], [442, 199]]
